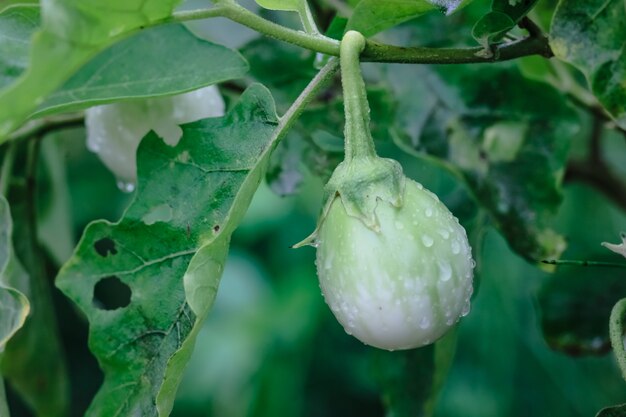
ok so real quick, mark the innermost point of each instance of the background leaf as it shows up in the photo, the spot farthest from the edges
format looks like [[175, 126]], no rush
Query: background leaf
[[591, 35], [17, 25], [72, 32], [135, 68], [287, 5], [615, 411], [37, 345], [142, 340], [373, 16], [503, 17], [14, 305], [412, 380], [575, 303], [491, 128]]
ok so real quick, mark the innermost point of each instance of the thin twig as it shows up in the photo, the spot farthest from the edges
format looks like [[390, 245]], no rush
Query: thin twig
[[583, 263]]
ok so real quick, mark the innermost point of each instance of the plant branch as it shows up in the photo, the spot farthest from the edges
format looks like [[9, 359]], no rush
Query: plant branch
[[583, 263], [374, 51], [531, 27]]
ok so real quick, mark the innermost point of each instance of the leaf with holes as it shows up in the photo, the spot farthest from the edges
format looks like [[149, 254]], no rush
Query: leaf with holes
[[591, 35], [14, 305], [72, 32], [146, 282]]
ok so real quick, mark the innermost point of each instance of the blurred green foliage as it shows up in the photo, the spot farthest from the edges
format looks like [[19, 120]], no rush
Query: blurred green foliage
[[536, 341]]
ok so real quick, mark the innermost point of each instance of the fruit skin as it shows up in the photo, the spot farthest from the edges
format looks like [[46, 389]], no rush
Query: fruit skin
[[403, 286]]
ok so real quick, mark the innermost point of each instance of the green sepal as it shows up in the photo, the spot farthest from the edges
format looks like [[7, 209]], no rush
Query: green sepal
[[361, 183]]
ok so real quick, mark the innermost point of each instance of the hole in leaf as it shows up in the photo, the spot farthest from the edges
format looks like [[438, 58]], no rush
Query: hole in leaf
[[216, 228], [105, 246], [110, 293]]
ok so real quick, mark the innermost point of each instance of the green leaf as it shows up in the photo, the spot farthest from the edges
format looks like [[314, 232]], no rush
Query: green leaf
[[615, 411], [14, 305], [591, 35], [411, 380], [36, 346], [575, 302], [17, 25], [135, 68], [504, 16], [507, 147], [55, 214], [373, 16], [492, 27], [167, 253], [72, 32], [287, 5], [575, 309]]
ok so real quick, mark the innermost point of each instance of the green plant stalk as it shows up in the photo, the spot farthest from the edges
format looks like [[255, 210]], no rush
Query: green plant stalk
[[308, 22], [616, 326], [358, 138], [374, 51], [243, 16]]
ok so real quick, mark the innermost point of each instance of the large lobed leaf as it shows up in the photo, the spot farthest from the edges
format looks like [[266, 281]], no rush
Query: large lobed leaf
[[591, 35], [510, 148], [72, 31], [168, 250]]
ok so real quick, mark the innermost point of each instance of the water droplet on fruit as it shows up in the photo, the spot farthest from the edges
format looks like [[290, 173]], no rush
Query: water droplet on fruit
[[473, 263], [428, 212], [450, 322], [424, 323], [466, 308], [444, 233], [427, 241], [445, 271], [456, 248]]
